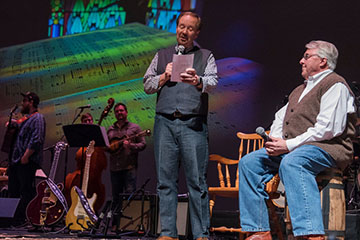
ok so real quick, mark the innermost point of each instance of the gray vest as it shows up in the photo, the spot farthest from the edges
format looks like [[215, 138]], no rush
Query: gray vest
[[183, 97]]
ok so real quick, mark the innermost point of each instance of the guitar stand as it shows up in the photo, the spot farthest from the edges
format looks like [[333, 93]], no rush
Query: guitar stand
[[109, 211]]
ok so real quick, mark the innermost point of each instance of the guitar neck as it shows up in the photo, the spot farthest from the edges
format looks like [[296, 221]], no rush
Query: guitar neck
[[116, 144], [86, 174], [54, 164], [58, 147]]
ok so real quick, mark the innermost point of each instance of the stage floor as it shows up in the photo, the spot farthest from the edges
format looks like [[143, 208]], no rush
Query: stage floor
[[23, 233]]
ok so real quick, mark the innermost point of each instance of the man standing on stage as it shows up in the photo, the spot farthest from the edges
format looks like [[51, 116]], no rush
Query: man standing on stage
[[180, 130], [27, 155], [312, 132], [123, 160]]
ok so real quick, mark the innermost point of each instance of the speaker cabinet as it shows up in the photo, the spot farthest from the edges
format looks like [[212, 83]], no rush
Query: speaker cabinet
[[151, 218], [7, 210], [182, 220]]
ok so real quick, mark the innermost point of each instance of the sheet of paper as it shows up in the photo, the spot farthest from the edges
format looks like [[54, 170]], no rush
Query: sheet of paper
[[180, 64]]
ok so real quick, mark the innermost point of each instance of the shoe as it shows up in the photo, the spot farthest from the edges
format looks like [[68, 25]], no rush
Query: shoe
[[166, 238], [260, 236]]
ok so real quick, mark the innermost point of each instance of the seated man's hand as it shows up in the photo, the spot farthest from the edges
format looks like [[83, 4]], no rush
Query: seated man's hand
[[276, 146]]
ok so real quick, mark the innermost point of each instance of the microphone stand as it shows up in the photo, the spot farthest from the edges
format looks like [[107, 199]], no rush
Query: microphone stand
[[141, 229], [109, 211]]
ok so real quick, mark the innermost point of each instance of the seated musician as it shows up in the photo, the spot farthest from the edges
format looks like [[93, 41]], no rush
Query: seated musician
[[123, 160]]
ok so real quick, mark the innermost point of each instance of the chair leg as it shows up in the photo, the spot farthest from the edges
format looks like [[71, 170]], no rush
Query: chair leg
[[275, 219], [211, 204]]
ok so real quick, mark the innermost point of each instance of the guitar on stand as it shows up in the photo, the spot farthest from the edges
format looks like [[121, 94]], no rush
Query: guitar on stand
[[77, 218], [49, 205]]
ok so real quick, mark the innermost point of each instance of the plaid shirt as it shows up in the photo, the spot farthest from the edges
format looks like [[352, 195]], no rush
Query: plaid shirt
[[31, 136]]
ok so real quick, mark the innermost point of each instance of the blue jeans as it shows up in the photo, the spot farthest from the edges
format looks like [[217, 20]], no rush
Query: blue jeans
[[184, 141], [297, 171]]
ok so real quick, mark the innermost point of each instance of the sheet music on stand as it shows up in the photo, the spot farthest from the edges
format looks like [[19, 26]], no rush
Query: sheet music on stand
[[79, 135]]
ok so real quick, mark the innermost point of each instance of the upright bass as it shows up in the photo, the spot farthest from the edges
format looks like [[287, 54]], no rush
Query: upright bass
[[97, 165]]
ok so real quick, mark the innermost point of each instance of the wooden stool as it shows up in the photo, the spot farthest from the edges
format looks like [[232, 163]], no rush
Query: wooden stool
[[333, 207]]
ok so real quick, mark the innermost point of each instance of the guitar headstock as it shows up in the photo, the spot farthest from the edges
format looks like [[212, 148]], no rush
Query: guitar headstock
[[106, 110], [147, 132], [90, 148], [144, 133], [60, 146], [110, 102]]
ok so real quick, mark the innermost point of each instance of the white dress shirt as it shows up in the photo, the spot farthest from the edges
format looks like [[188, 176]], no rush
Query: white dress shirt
[[335, 104]]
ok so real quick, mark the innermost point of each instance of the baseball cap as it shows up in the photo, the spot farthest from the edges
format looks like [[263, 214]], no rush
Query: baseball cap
[[32, 96]]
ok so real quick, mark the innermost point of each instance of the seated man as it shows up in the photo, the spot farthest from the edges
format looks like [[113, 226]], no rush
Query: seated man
[[312, 132]]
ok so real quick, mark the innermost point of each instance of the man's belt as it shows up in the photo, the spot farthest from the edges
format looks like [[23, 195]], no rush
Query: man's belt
[[179, 115]]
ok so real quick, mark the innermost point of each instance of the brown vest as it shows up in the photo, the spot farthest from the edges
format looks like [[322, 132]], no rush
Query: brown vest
[[302, 115]]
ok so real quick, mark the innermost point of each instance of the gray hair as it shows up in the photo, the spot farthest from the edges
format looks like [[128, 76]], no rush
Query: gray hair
[[325, 50]]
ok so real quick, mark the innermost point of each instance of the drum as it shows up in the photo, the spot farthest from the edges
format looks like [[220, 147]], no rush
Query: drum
[[333, 206]]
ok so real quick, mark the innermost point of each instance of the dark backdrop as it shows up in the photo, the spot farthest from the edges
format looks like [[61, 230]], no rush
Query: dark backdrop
[[274, 33]]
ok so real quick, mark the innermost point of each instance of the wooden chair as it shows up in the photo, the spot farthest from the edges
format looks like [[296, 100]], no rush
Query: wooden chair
[[230, 187]]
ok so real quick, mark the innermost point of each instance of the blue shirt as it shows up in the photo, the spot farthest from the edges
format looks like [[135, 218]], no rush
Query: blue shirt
[[31, 136]]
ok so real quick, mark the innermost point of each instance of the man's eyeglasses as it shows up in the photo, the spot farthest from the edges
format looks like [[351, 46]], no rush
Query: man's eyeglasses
[[307, 56]]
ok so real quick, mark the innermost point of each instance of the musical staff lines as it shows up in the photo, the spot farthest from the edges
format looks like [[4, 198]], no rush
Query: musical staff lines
[[72, 64]]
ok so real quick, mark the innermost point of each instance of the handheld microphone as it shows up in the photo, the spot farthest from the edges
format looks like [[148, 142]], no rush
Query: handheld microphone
[[180, 50], [262, 133], [83, 107]]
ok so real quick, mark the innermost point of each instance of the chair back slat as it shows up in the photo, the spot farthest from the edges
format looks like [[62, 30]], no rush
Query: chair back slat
[[221, 176], [228, 184]]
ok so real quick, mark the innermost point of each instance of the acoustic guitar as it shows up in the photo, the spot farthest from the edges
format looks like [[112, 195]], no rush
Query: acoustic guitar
[[45, 208], [10, 134], [77, 219]]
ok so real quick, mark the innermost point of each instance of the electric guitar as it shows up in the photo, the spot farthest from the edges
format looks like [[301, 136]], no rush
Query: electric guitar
[[77, 219], [116, 143], [45, 208]]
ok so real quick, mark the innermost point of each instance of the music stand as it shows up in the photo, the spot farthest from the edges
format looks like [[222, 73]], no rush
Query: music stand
[[79, 135]]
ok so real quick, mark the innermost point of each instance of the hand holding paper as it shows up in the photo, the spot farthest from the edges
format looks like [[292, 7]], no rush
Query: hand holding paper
[[180, 64], [189, 76]]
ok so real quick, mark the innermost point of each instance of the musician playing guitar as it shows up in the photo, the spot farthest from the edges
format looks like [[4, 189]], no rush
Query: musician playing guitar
[[27, 154], [123, 157]]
